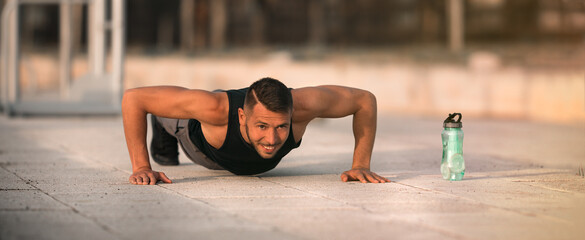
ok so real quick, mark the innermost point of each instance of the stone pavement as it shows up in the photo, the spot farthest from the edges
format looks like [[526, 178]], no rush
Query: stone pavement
[[67, 178]]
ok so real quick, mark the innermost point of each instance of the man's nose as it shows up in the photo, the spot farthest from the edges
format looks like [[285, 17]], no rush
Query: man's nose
[[271, 137]]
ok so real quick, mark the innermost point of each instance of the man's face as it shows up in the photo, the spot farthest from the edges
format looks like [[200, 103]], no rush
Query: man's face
[[266, 131]]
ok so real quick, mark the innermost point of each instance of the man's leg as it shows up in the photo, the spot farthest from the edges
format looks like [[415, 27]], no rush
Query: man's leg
[[163, 147], [190, 149], [178, 130]]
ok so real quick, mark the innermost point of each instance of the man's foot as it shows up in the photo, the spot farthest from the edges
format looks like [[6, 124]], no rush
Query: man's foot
[[163, 147]]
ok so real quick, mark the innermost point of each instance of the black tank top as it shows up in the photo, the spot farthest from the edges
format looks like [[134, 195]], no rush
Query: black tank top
[[236, 155]]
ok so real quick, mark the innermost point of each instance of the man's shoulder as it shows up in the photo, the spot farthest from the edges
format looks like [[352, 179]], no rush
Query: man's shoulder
[[306, 97], [304, 102], [214, 111]]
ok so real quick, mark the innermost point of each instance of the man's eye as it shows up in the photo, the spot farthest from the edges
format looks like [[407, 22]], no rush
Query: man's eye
[[262, 127]]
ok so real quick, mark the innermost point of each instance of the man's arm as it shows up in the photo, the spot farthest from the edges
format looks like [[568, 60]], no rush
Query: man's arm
[[164, 101], [336, 102]]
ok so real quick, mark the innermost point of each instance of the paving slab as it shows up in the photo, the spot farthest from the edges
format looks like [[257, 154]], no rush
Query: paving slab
[[343, 223], [50, 225], [9, 181], [67, 178]]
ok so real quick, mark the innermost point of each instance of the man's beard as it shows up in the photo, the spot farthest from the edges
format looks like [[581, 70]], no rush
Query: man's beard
[[257, 146]]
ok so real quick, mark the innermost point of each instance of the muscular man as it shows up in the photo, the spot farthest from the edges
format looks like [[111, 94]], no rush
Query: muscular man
[[246, 131]]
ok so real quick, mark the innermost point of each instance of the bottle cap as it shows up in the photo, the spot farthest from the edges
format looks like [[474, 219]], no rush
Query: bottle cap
[[450, 122]]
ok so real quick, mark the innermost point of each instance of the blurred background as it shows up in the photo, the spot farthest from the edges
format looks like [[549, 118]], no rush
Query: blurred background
[[503, 59]]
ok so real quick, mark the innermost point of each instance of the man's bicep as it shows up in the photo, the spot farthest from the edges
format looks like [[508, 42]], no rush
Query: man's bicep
[[329, 101], [202, 105], [341, 101], [176, 102]]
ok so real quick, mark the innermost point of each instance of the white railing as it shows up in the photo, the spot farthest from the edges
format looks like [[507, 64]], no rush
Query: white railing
[[72, 97]]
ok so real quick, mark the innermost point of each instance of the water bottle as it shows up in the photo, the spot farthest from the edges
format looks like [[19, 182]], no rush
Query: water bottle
[[452, 164]]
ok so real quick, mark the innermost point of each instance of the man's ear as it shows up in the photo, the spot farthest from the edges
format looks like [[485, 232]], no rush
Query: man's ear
[[242, 116]]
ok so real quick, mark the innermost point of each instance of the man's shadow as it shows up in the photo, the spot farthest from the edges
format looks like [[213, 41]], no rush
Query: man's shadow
[[396, 165]]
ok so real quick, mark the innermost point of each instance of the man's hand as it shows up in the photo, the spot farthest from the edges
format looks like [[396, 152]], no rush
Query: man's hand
[[362, 175], [146, 177]]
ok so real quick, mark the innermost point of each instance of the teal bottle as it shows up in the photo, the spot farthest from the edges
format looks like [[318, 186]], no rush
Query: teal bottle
[[452, 164]]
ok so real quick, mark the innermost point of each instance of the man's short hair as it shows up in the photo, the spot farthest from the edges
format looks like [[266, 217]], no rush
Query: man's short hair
[[273, 94]]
